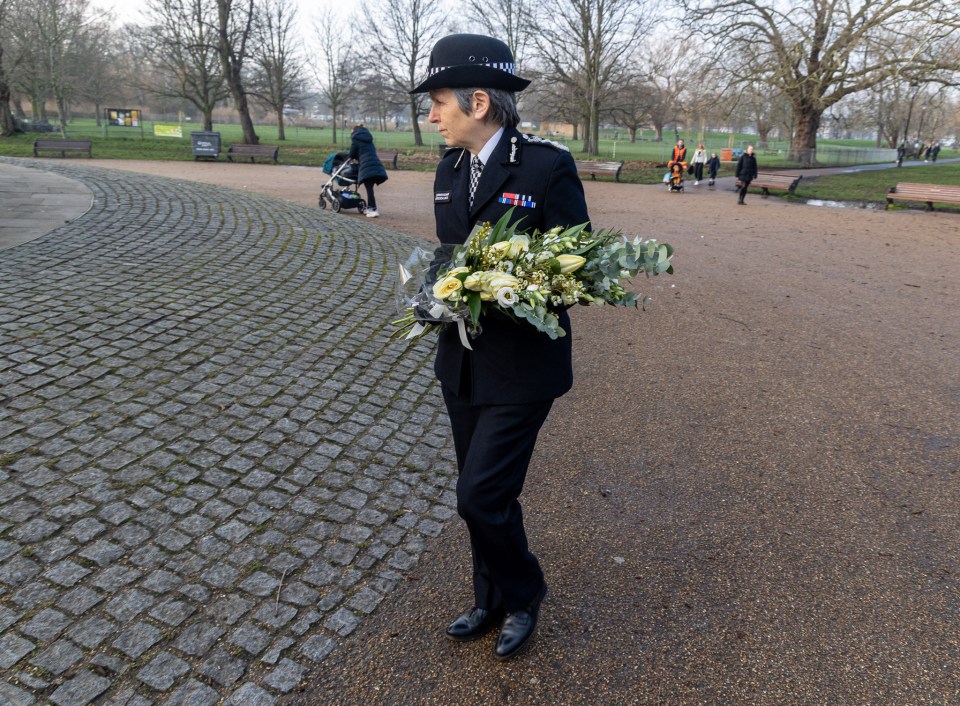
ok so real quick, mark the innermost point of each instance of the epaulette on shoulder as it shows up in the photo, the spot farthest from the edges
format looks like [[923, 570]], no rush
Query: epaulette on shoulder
[[451, 150], [537, 140]]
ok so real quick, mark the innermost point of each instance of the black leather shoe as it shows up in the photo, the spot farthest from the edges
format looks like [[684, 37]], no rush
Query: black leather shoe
[[475, 623], [518, 628]]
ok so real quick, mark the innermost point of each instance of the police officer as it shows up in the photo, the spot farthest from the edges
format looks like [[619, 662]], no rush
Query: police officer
[[499, 393]]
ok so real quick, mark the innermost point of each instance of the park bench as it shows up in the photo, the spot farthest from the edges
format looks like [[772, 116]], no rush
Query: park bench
[[388, 157], [594, 167], [62, 146], [776, 180], [928, 193], [253, 151]]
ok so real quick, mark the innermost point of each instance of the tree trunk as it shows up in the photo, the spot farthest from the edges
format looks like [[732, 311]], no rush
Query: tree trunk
[[586, 132], [62, 118], [415, 116], [333, 113], [243, 109], [632, 131], [591, 129], [208, 120], [8, 125], [762, 134], [280, 133], [233, 71], [803, 147]]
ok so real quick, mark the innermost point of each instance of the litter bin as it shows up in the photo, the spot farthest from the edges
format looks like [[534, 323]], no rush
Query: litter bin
[[205, 144], [726, 154]]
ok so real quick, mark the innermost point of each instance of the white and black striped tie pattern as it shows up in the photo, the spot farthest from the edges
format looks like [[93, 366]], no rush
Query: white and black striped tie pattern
[[476, 166]]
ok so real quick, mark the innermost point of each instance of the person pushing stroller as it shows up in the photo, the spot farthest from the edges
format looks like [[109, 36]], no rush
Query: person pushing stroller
[[676, 167], [372, 171]]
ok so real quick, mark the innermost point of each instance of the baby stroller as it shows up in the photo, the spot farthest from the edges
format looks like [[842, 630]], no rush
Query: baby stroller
[[343, 173], [674, 178]]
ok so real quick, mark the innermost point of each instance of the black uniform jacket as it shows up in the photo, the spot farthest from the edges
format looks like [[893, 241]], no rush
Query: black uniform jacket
[[511, 361]]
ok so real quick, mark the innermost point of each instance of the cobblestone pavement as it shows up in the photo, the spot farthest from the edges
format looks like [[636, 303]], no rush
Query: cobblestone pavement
[[213, 463]]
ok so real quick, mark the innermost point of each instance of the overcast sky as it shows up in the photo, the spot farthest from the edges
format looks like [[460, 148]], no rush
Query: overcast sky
[[130, 10]]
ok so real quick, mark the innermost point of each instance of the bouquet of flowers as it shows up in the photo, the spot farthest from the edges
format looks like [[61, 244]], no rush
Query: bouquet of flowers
[[525, 276]]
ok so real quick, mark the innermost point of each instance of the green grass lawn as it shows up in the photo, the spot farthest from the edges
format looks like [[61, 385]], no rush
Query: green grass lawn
[[872, 186], [310, 147]]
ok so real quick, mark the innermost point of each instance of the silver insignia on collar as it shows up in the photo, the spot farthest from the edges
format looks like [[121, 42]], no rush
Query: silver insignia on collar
[[534, 139]]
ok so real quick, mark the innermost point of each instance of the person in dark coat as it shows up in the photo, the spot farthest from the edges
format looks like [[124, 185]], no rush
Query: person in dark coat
[[372, 171], [499, 393], [713, 167], [901, 152], [935, 152], [746, 172]]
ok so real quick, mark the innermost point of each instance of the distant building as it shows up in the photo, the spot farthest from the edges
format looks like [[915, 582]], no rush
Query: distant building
[[548, 129]]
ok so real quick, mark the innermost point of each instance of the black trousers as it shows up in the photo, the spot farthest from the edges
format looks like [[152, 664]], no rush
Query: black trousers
[[744, 185], [371, 198], [698, 171], [494, 444]]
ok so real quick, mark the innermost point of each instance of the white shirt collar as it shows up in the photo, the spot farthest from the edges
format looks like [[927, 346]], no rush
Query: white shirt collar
[[491, 145]]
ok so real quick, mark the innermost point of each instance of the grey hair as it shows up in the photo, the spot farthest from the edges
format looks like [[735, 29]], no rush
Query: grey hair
[[503, 105]]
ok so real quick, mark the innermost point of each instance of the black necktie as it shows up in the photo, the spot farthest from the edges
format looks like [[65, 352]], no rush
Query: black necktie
[[476, 166]]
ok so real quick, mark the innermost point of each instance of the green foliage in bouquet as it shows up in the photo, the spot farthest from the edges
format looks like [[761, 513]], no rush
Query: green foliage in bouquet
[[531, 276]]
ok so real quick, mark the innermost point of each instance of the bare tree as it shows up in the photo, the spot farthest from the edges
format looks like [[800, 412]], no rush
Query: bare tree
[[817, 52], [883, 111], [182, 45], [277, 77], [583, 42], [553, 101], [632, 105], [759, 105], [27, 75], [403, 33], [100, 76], [8, 125], [512, 23], [53, 33], [334, 71], [376, 98], [235, 22], [661, 63]]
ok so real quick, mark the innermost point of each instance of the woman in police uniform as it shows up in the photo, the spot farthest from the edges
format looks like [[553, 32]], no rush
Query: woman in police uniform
[[499, 394]]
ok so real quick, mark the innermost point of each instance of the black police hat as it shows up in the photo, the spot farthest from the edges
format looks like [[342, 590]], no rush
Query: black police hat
[[468, 60]]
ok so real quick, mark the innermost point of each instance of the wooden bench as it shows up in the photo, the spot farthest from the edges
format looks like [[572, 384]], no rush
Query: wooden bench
[[594, 167], [62, 146], [776, 180], [388, 157], [928, 193], [253, 151]]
